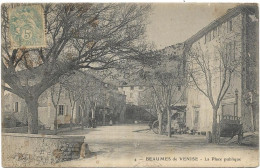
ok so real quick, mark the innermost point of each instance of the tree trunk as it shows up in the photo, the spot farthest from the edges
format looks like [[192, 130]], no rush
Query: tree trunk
[[104, 117], [71, 117], [71, 123], [82, 123], [32, 104], [55, 121], [160, 123], [83, 117], [169, 121], [252, 118], [87, 117], [214, 126], [93, 113]]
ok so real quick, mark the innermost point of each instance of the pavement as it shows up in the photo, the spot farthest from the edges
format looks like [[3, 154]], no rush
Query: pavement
[[136, 146]]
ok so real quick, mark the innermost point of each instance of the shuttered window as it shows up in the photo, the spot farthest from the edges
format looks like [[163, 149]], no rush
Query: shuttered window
[[61, 109], [16, 107]]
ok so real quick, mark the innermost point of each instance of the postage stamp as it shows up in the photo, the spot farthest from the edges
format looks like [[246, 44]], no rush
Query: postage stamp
[[27, 26]]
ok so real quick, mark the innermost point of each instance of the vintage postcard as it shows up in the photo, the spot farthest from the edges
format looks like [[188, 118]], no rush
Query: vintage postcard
[[130, 84]]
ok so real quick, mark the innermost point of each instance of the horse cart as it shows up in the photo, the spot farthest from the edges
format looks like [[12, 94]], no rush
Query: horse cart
[[229, 126], [178, 125], [154, 125]]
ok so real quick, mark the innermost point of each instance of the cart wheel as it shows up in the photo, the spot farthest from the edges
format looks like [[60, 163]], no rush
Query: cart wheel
[[155, 127]]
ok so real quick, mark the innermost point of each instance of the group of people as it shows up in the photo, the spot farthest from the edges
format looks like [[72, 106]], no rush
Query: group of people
[[92, 123]]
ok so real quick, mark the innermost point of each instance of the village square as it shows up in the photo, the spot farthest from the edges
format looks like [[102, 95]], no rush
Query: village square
[[130, 85]]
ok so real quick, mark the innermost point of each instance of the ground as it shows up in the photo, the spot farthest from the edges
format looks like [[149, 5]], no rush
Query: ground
[[134, 145]]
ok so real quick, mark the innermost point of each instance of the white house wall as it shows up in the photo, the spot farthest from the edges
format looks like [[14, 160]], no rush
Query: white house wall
[[126, 90], [196, 98]]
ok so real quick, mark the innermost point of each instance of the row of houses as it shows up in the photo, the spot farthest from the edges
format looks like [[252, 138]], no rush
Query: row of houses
[[235, 36], [110, 103]]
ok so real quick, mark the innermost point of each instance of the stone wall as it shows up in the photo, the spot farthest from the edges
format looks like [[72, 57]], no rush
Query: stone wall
[[21, 150], [15, 130]]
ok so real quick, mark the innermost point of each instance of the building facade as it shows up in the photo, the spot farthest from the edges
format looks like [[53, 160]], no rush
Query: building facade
[[132, 93], [110, 98], [16, 107], [235, 37]]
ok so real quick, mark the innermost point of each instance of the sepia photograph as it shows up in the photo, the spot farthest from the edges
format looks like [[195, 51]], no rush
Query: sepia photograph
[[130, 84]]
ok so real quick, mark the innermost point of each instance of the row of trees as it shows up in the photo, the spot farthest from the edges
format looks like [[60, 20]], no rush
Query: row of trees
[[194, 67], [99, 37], [90, 36], [85, 91], [165, 81]]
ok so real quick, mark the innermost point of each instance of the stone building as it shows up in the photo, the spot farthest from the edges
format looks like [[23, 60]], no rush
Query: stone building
[[15, 107], [132, 92], [235, 35]]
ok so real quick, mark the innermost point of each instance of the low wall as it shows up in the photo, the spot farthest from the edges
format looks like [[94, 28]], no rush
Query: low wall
[[15, 130], [21, 150]]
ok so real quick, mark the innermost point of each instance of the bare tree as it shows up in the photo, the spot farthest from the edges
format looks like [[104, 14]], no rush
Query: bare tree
[[204, 73], [116, 103], [164, 82], [150, 100], [55, 98], [73, 87], [93, 36], [92, 91], [84, 105]]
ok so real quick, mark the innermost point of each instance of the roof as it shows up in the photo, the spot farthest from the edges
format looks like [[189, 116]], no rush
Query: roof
[[95, 77], [173, 52], [250, 8]]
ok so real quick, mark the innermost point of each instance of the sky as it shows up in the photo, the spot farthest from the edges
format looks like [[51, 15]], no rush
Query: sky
[[174, 23]]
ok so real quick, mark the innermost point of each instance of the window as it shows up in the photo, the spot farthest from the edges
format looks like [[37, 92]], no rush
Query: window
[[131, 95], [214, 33], [229, 26], [208, 37], [219, 27], [234, 51], [61, 109], [16, 107], [179, 87], [132, 87], [230, 51], [196, 117]]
